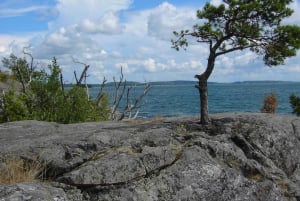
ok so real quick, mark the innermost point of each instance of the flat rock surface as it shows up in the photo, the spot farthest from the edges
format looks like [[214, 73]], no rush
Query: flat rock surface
[[239, 156]]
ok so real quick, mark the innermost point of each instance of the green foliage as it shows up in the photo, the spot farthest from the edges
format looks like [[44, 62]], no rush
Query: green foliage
[[18, 67], [45, 99], [295, 103], [13, 107], [77, 108]]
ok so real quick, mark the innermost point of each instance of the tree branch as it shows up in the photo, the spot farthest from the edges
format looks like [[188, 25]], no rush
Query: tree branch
[[83, 73], [100, 93], [130, 107], [31, 69], [117, 97], [82, 76]]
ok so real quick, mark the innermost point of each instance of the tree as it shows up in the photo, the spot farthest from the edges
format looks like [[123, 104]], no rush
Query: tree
[[236, 25]]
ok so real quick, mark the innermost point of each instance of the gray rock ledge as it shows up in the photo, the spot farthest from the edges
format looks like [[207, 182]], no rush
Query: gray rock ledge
[[239, 157]]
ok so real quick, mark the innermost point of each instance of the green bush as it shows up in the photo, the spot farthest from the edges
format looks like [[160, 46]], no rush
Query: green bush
[[13, 107], [45, 99], [295, 103]]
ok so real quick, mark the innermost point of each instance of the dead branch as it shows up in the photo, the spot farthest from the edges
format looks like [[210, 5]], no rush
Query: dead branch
[[131, 107], [30, 69], [83, 75], [117, 97], [100, 93]]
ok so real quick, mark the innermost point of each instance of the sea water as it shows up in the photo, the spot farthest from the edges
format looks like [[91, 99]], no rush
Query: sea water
[[182, 98]]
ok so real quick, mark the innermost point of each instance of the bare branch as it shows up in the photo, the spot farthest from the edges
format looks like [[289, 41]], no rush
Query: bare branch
[[83, 76], [75, 75], [130, 107], [100, 93], [118, 97], [31, 68], [83, 73]]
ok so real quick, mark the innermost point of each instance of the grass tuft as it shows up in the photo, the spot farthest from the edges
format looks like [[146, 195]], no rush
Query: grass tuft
[[15, 170]]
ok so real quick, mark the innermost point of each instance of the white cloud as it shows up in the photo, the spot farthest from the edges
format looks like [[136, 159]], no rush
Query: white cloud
[[137, 22], [116, 54], [6, 13], [216, 2], [64, 41], [108, 24], [167, 18], [74, 11], [125, 68], [10, 44], [59, 38], [172, 63], [245, 58], [193, 66], [295, 69], [150, 65]]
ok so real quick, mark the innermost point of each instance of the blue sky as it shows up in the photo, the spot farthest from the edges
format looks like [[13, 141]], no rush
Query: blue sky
[[134, 34]]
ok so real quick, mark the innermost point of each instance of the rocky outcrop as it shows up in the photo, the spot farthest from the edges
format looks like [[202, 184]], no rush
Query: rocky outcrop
[[237, 157]]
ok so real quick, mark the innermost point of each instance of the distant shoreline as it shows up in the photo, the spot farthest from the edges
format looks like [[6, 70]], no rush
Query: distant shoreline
[[186, 82]]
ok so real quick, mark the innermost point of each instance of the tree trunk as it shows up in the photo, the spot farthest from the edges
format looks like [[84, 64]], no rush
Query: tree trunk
[[203, 92], [202, 87]]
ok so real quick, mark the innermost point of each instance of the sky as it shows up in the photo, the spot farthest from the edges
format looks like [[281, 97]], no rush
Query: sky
[[132, 34]]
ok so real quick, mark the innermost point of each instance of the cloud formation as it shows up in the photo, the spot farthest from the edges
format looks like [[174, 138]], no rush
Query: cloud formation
[[109, 34], [107, 24]]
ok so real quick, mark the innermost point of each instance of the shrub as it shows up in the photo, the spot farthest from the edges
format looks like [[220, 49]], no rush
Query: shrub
[[13, 107], [270, 104], [295, 103], [43, 98]]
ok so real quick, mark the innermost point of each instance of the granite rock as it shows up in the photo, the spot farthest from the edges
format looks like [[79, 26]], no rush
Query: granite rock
[[239, 156]]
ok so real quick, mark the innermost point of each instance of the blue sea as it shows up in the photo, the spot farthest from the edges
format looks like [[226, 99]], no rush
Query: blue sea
[[181, 98]]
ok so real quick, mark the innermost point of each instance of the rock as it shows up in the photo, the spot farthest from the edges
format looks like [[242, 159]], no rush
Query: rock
[[237, 157], [39, 191]]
